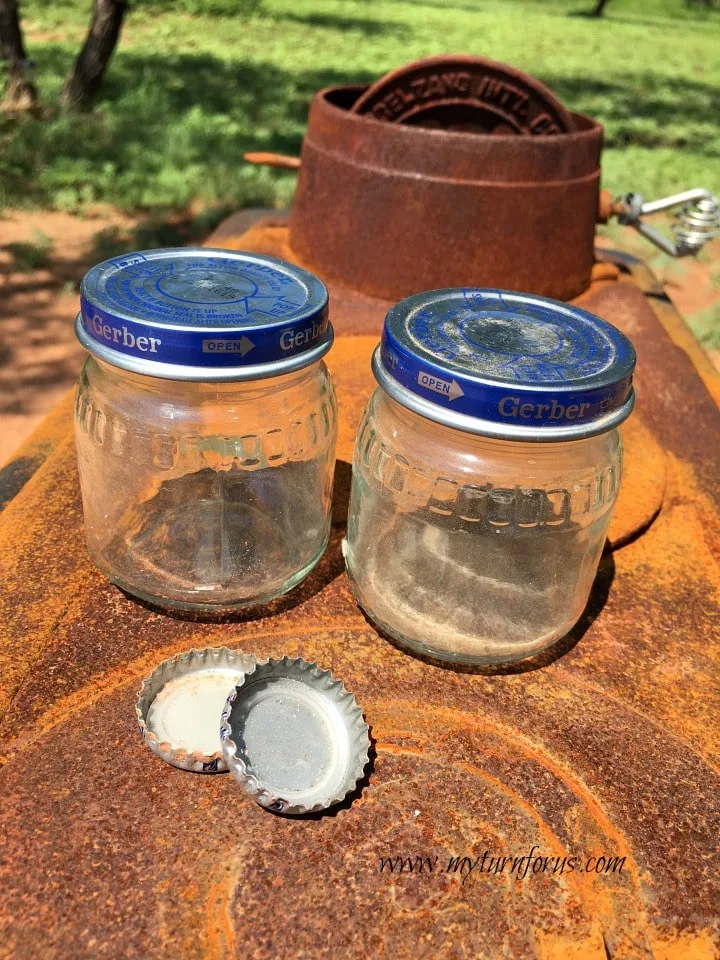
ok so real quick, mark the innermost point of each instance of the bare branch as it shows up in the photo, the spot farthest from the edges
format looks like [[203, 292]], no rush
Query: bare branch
[[83, 84], [21, 92]]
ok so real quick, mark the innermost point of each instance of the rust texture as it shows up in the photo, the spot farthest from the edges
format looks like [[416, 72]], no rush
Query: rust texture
[[461, 92], [605, 745], [31, 455], [273, 160], [390, 209]]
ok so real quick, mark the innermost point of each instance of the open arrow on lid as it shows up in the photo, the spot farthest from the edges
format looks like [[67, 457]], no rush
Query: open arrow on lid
[[228, 345], [448, 388]]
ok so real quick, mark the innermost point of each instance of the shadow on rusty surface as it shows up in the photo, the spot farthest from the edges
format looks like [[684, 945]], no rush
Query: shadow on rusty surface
[[15, 474]]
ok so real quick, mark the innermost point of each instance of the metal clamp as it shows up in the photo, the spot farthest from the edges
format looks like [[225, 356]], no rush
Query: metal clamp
[[697, 221]]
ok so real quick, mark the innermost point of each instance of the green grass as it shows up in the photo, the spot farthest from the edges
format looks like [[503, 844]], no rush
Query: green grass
[[194, 85], [158, 231]]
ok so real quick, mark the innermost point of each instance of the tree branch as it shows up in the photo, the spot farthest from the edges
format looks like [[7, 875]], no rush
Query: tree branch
[[21, 92], [83, 85]]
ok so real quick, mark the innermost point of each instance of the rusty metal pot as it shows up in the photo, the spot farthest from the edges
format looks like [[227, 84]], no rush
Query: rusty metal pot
[[390, 209]]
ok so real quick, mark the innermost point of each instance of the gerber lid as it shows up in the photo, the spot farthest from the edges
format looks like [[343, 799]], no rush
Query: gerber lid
[[506, 364], [201, 314]]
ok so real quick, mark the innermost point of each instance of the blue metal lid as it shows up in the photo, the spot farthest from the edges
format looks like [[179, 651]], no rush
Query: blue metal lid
[[202, 314], [506, 364]]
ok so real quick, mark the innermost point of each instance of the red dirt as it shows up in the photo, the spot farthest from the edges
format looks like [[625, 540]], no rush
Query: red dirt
[[39, 355]]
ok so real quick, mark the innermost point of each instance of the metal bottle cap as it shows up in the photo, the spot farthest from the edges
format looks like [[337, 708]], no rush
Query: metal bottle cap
[[294, 737], [505, 364], [179, 706], [202, 314]]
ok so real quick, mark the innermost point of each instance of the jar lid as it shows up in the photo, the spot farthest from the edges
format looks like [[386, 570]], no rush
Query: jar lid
[[504, 364], [294, 737], [203, 314]]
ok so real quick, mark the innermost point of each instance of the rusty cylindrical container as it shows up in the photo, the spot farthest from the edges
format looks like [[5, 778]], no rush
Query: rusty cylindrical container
[[390, 209]]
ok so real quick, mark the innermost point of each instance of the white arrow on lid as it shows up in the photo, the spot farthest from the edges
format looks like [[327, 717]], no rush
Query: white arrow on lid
[[448, 388], [455, 390]]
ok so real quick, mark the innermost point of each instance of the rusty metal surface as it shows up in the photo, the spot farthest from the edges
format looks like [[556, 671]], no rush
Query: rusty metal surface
[[273, 160], [30, 456], [638, 272], [608, 744], [461, 92], [390, 209]]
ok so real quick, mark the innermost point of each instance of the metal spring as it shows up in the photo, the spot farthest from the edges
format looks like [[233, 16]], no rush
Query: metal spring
[[696, 223]]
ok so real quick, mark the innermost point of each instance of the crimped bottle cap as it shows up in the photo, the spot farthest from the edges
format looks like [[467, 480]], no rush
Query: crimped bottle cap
[[294, 737], [180, 704]]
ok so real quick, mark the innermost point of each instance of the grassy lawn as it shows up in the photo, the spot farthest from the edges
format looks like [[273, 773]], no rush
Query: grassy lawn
[[193, 85]]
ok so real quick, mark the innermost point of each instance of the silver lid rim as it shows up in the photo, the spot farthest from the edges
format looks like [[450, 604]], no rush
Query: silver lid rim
[[186, 662], [304, 314], [358, 736], [487, 428], [173, 371]]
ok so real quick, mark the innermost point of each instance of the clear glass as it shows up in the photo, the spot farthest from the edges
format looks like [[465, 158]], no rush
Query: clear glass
[[200, 495], [472, 549]]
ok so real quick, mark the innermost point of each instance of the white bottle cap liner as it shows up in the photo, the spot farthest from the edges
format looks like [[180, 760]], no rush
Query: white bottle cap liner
[[180, 704], [294, 737]]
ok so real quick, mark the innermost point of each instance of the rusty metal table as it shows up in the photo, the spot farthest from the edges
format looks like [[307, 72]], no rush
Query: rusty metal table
[[604, 747]]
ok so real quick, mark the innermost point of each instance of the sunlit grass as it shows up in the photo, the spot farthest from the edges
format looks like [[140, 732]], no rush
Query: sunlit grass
[[195, 84]]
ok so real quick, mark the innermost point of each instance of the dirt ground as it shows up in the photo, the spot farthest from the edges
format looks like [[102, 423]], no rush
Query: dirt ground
[[39, 355]]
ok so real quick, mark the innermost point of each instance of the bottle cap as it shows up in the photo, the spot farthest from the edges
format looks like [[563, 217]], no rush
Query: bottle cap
[[504, 364], [180, 704], [294, 737], [202, 314]]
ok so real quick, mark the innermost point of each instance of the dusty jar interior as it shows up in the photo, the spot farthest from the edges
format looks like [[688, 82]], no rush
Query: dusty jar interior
[[485, 471], [206, 470], [470, 548]]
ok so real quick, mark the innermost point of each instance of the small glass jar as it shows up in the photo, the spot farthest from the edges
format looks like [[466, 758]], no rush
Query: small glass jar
[[205, 425], [485, 472]]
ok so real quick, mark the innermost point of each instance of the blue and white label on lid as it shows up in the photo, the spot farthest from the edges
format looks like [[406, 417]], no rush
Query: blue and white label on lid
[[202, 308], [517, 362]]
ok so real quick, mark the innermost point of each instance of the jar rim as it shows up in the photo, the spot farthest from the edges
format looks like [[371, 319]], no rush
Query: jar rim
[[203, 314], [488, 428], [520, 363], [174, 371]]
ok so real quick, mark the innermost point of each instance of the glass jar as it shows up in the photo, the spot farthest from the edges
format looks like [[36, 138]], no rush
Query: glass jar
[[485, 472], [205, 425]]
